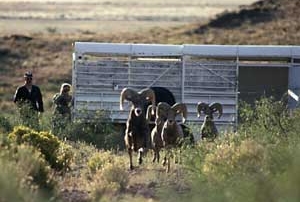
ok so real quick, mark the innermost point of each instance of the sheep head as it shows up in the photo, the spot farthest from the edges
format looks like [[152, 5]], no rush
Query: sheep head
[[137, 99], [172, 111], [180, 108], [209, 110], [162, 112]]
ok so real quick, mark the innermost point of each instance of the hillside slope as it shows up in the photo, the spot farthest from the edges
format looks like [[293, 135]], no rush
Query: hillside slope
[[264, 22], [49, 56]]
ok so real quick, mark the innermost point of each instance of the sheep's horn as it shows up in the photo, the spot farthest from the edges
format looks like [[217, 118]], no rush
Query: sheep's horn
[[127, 94], [202, 106], [180, 108], [215, 106], [149, 112], [162, 109], [149, 94]]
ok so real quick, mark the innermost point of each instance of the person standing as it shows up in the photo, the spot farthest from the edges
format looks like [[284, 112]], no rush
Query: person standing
[[62, 108], [28, 98], [63, 101]]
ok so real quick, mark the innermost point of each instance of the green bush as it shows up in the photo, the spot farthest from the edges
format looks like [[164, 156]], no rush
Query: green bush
[[228, 160], [109, 175], [97, 131], [57, 153], [268, 119], [25, 175], [5, 125], [257, 163], [98, 160], [27, 116]]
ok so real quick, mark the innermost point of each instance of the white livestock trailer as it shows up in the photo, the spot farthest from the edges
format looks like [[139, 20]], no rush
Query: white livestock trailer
[[193, 73]]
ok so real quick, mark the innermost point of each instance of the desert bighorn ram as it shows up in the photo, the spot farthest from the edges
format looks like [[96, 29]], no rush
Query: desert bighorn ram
[[208, 128], [137, 129], [161, 116], [172, 132]]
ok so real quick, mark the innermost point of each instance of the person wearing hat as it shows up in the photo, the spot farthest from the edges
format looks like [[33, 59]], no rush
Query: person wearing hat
[[28, 98]]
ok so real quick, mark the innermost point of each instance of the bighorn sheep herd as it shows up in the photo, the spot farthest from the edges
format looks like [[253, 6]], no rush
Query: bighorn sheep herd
[[166, 133]]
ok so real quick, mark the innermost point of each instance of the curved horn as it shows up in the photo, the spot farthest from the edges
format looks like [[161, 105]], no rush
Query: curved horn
[[149, 94], [148, 113], [180, 108], [126, 94], [215, 106], [202, 107], [162, 109]]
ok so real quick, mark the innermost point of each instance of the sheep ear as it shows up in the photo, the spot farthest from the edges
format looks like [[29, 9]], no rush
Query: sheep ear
[[180, 108], [127, 94], [215, 106], [202, 107]]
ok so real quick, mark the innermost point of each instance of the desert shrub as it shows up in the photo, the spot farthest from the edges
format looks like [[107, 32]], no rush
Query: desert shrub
[[44, 121], [25, 175], [27, 116], [97, 131], [57, 153], [108, 174], [109, 180], [257, 163], [268, 119], [5, 125], [98, 160], [18, 133], [228, 160], [82, 152], [51, 30], [64, 157]]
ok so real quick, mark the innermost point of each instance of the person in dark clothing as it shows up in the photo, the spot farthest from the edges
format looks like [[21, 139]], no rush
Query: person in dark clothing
[[63, 102], [28, 98]]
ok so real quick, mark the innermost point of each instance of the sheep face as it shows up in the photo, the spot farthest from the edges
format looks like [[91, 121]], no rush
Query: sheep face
[[137, 107], [208, 128]]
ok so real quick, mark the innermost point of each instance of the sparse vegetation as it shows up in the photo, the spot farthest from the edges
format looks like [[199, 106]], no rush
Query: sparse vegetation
[[257, 163], [86, 162]]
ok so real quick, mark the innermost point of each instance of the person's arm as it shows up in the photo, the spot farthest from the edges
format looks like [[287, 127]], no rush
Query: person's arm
[[58, 99], [17, 95], [40, 100]]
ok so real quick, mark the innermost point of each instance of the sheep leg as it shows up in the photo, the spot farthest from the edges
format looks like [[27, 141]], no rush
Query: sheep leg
[[166, 161], [130, 158], [140, 156], [168, 165], [156, 156]]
